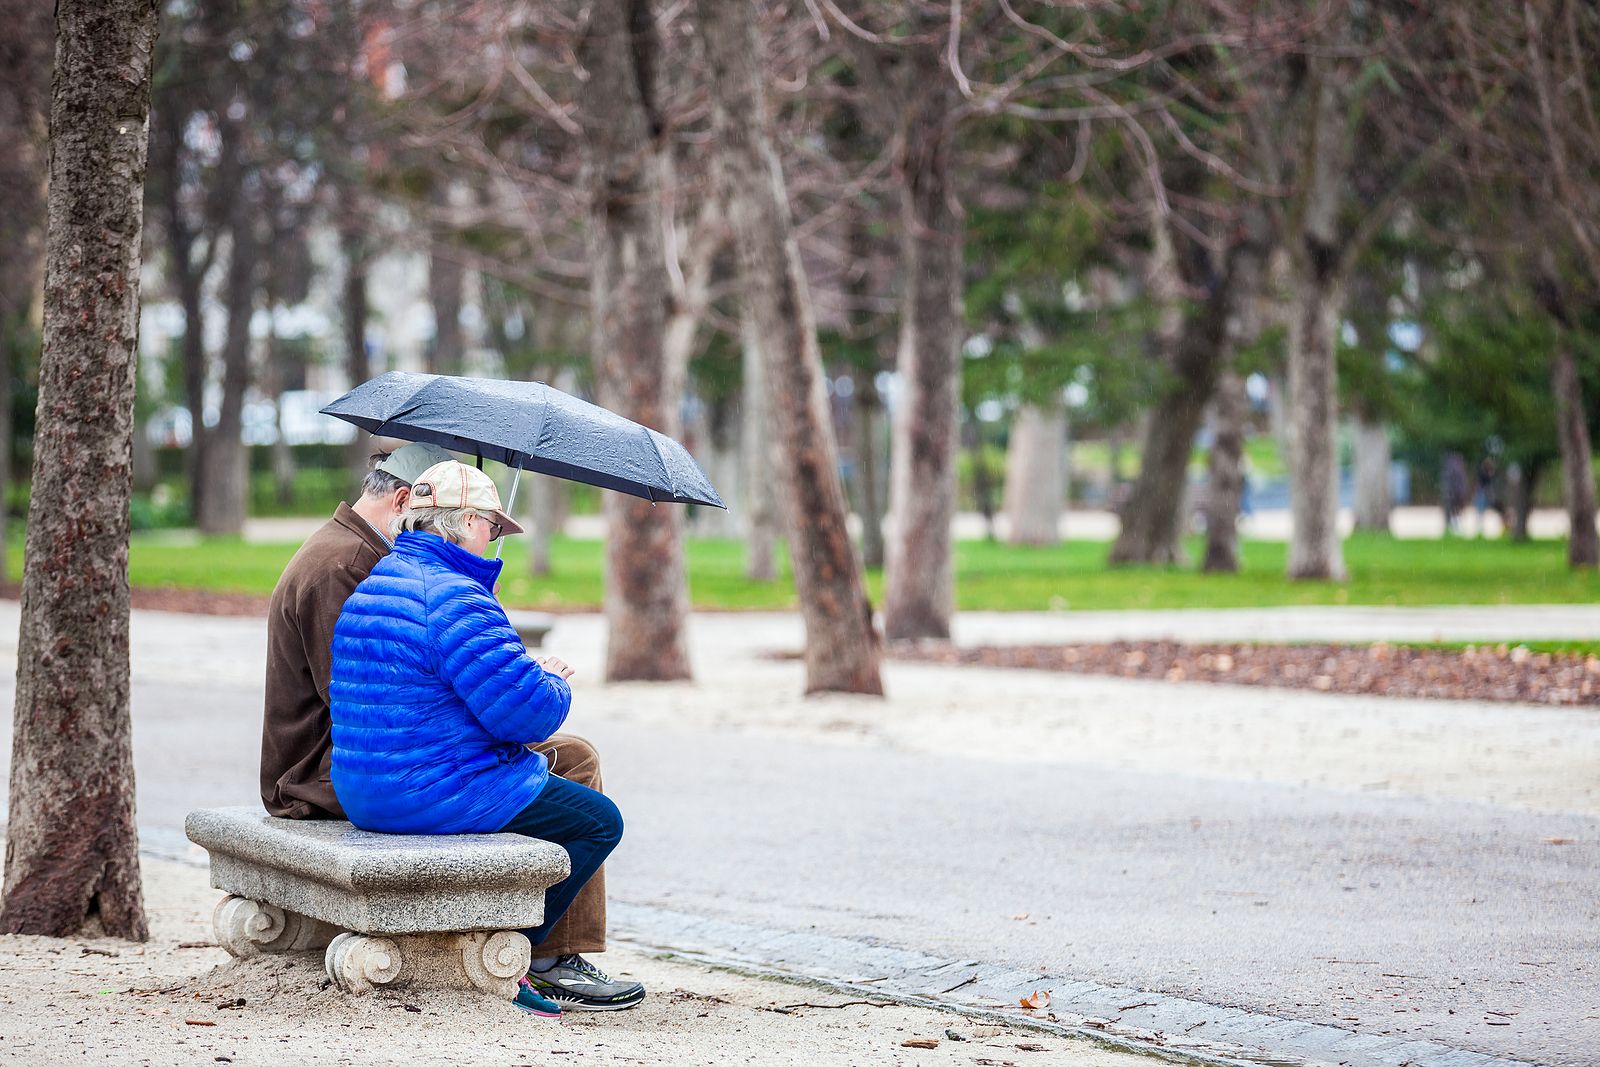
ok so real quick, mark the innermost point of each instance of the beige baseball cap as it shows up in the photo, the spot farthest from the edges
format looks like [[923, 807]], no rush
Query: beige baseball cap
[[409, 461], [456, 485]]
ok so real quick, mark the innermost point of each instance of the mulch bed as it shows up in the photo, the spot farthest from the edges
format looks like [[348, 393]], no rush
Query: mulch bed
[[1499, 673]]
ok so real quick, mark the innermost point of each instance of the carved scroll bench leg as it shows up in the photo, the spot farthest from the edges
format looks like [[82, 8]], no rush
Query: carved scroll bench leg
[[490, 962], [250, 928]]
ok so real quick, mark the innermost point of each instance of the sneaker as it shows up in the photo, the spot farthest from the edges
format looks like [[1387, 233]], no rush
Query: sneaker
[[579, 985], [534, 1002]]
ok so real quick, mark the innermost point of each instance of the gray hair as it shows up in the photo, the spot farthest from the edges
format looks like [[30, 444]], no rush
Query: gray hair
[[381, 483], [448, 523]]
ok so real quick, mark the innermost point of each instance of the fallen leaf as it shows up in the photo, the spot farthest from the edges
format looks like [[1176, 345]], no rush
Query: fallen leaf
[[1039, 998], [198, 1022], [919, 1042], [1029, 1046], [1558, 840], [1019, 917]]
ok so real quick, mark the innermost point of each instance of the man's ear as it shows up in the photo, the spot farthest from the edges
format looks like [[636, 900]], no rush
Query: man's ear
[[401, 495]]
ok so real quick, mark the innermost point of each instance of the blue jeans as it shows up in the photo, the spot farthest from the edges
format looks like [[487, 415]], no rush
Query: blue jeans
[[580, 820]]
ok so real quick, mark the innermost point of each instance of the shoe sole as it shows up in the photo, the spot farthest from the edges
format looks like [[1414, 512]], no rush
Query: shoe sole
[[535, 1012], [594, 1005]]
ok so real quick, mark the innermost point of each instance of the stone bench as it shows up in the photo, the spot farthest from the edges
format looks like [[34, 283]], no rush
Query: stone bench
[[393, 910], [532, 626]]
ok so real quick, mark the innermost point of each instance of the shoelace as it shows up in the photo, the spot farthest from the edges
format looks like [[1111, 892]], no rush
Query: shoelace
[[583, 966]]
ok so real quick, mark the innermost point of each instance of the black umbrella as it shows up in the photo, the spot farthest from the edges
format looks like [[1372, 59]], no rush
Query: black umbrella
[[528, 426]]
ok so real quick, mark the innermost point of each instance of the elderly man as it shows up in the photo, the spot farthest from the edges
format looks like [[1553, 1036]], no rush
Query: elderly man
[[296, 736]]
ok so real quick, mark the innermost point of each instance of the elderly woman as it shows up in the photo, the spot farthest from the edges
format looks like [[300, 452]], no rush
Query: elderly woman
[[434, 700]]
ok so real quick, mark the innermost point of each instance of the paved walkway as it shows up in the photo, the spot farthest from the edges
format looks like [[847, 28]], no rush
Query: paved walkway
[[1302, 876]]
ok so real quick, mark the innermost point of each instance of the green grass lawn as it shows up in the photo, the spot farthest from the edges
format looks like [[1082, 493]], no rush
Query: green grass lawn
[[988, 576]]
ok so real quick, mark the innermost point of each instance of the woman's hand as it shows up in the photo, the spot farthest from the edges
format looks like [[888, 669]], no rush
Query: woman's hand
[[555, 665]]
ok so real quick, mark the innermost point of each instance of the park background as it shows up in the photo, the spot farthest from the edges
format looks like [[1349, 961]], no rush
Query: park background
[[1161, 566], [1119, 277]]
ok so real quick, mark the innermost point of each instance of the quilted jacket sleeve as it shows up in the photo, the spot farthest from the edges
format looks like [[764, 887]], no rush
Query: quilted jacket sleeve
[[484, 660]]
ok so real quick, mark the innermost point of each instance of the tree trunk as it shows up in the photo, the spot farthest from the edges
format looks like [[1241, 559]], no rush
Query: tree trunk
[[842, 648], [718, 437], [72, 859], [1315, 551], [1036, 475], [646, 592], [919, 596], [869, 413], [1372, 457], [1314, 547], [1153, 520], [352, 242], [982, 481], [1225, 490], [760, 503], [1115, 443], [547, 514], [226, 473], [1520, 491], [189, 277], [1577, 459], [445, 277]]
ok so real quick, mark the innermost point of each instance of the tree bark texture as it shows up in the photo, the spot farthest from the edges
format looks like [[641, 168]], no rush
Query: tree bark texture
[[646, 590], [843, 652], [1315, 551], [1153, 519], [1372, 457], [1577, 462], [919, 596], [72, 860], [1225, 488], [1036, 475]]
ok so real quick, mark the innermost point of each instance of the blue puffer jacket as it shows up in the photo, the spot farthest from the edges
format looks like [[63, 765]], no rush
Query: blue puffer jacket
[[434, 696]]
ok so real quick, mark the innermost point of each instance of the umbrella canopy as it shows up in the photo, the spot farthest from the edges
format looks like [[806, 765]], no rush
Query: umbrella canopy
[[529, 426]]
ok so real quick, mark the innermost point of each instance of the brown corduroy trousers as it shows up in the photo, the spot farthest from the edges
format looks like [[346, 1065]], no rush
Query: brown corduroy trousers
[[583, 928]]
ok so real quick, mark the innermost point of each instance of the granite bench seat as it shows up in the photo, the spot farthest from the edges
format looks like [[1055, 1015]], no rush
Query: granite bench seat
[[390, 909]]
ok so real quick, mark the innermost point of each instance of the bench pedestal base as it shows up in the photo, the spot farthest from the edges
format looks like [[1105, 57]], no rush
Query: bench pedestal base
[[491, 962], [253, 928]]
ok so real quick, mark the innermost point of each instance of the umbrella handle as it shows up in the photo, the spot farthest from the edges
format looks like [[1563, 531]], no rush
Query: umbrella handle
[[516, 479]]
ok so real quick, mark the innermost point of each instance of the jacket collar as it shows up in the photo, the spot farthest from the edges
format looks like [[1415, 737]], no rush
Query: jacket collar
[[431, 548], [350, 519]]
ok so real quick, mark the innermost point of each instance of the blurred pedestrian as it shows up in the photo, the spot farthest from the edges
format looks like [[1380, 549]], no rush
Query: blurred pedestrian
[[1453, 483], [1483, 498]]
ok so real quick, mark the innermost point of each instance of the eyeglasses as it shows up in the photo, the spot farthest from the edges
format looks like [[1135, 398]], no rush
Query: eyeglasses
[[495, 529]]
